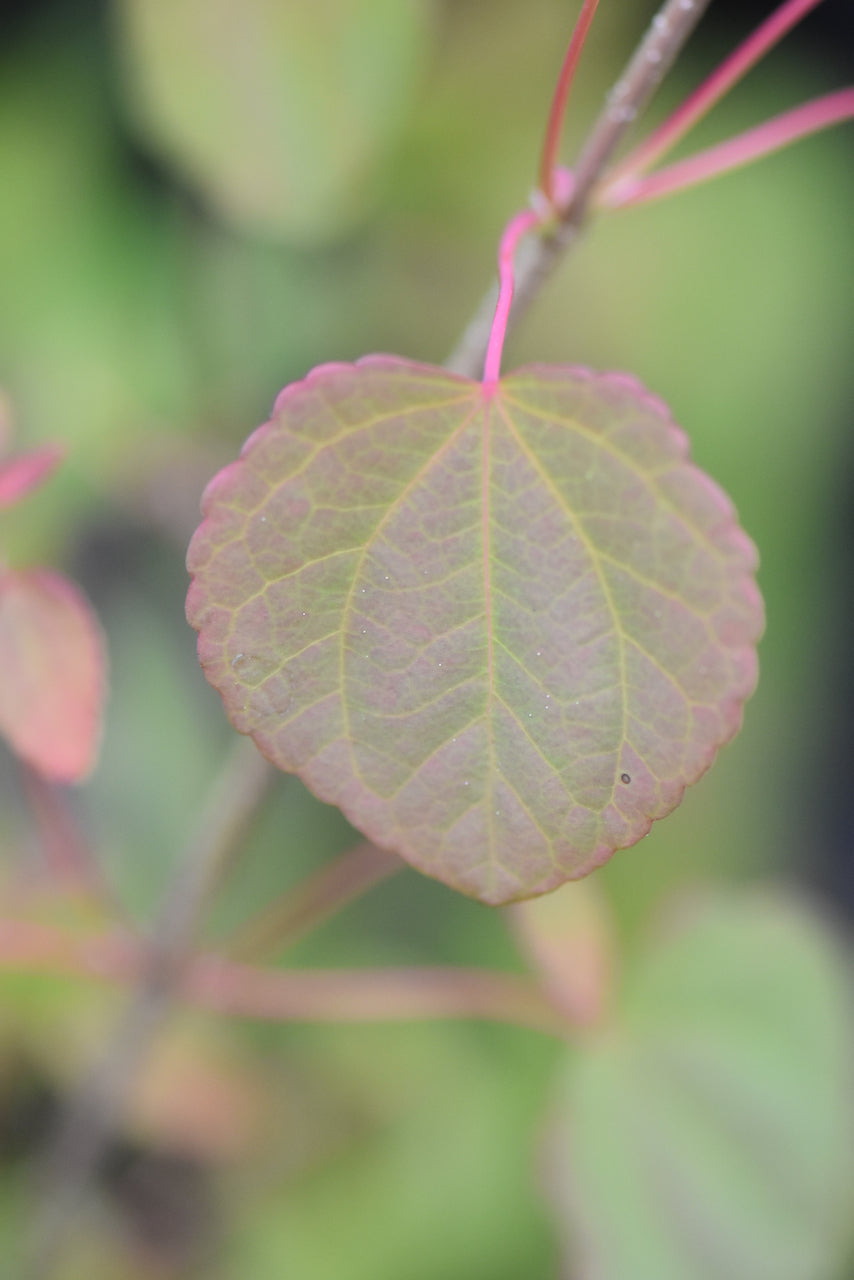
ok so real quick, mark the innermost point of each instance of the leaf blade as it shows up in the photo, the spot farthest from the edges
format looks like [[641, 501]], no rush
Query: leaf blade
[[52, 673], [402, 593]]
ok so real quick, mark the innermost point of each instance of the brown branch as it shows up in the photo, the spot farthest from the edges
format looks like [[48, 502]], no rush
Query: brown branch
[[540, 255], [76, 1149]]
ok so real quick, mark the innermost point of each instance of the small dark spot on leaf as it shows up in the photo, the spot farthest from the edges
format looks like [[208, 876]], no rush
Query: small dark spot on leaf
[[625, 777]]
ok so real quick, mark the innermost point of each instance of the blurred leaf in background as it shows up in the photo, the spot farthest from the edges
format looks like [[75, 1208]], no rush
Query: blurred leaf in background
[[707, 1130], [279, 113]]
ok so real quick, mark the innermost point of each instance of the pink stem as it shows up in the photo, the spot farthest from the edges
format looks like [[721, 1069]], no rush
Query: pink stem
[[514, 231], [712, 90], [319, 995], [738, 151], [28, 946], [561, 97], [370, 995], [311, 902]]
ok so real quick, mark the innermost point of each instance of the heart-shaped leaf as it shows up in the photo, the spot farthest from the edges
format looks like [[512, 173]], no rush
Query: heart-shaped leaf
[[52, 665], [706, 1135], [502, 628]]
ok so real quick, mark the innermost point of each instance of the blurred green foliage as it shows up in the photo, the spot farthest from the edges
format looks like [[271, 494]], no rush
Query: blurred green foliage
[[700, 1134], [154, 299]]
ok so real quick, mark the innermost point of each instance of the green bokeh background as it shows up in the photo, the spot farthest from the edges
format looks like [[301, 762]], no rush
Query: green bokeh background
[[147, 322]]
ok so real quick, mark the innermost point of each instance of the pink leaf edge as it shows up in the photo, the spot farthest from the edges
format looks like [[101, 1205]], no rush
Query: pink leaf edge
[[652, 798]]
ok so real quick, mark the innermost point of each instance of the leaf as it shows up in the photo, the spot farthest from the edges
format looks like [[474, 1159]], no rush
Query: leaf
[[52, 673], [708, 1134], [502, 632], [279, 113], [570, 940]]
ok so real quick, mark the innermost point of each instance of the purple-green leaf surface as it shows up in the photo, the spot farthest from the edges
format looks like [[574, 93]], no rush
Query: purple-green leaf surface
[[502, 628]]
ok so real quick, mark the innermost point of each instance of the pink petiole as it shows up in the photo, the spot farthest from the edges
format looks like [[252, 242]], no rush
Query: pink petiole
[[710, 92], [514, 231], [554, 127], [555, 189], [741, 150]]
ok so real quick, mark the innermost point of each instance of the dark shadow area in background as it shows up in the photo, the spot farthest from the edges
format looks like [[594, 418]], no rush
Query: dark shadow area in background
[[827, 33]]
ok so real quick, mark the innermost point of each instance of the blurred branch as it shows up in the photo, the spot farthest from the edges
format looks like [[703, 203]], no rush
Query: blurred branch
[[370, 995], [320, 995], [74, 1154], [540, 255]]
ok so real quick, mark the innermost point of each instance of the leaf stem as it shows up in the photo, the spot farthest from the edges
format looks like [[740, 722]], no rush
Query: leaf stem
[[554, 128], [313, 901], [226, 986], [30, 946], [710, 92], [516, 228], [371, 995], [670, 30], [734, 153], [74, 1153]]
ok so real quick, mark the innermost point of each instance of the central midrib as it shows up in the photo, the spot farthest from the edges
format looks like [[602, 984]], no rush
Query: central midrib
[[489, 792]]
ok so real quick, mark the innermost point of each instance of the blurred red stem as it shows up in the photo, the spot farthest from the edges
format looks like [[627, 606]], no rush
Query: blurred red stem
[[313, 901], [328, 995], [736, 152], [370, 995], [554, 128], [541, 254], [701, 101]]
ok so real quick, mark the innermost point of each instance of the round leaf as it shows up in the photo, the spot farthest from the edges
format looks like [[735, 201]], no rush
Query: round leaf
[[502, 629]]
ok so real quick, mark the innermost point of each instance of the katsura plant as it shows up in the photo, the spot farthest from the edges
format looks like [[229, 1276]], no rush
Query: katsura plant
[[503, 621], [500, 620]]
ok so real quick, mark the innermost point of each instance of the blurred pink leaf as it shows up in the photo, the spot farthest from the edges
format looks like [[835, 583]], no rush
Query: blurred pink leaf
[[20, 475], [52, 673], [502, 629]]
